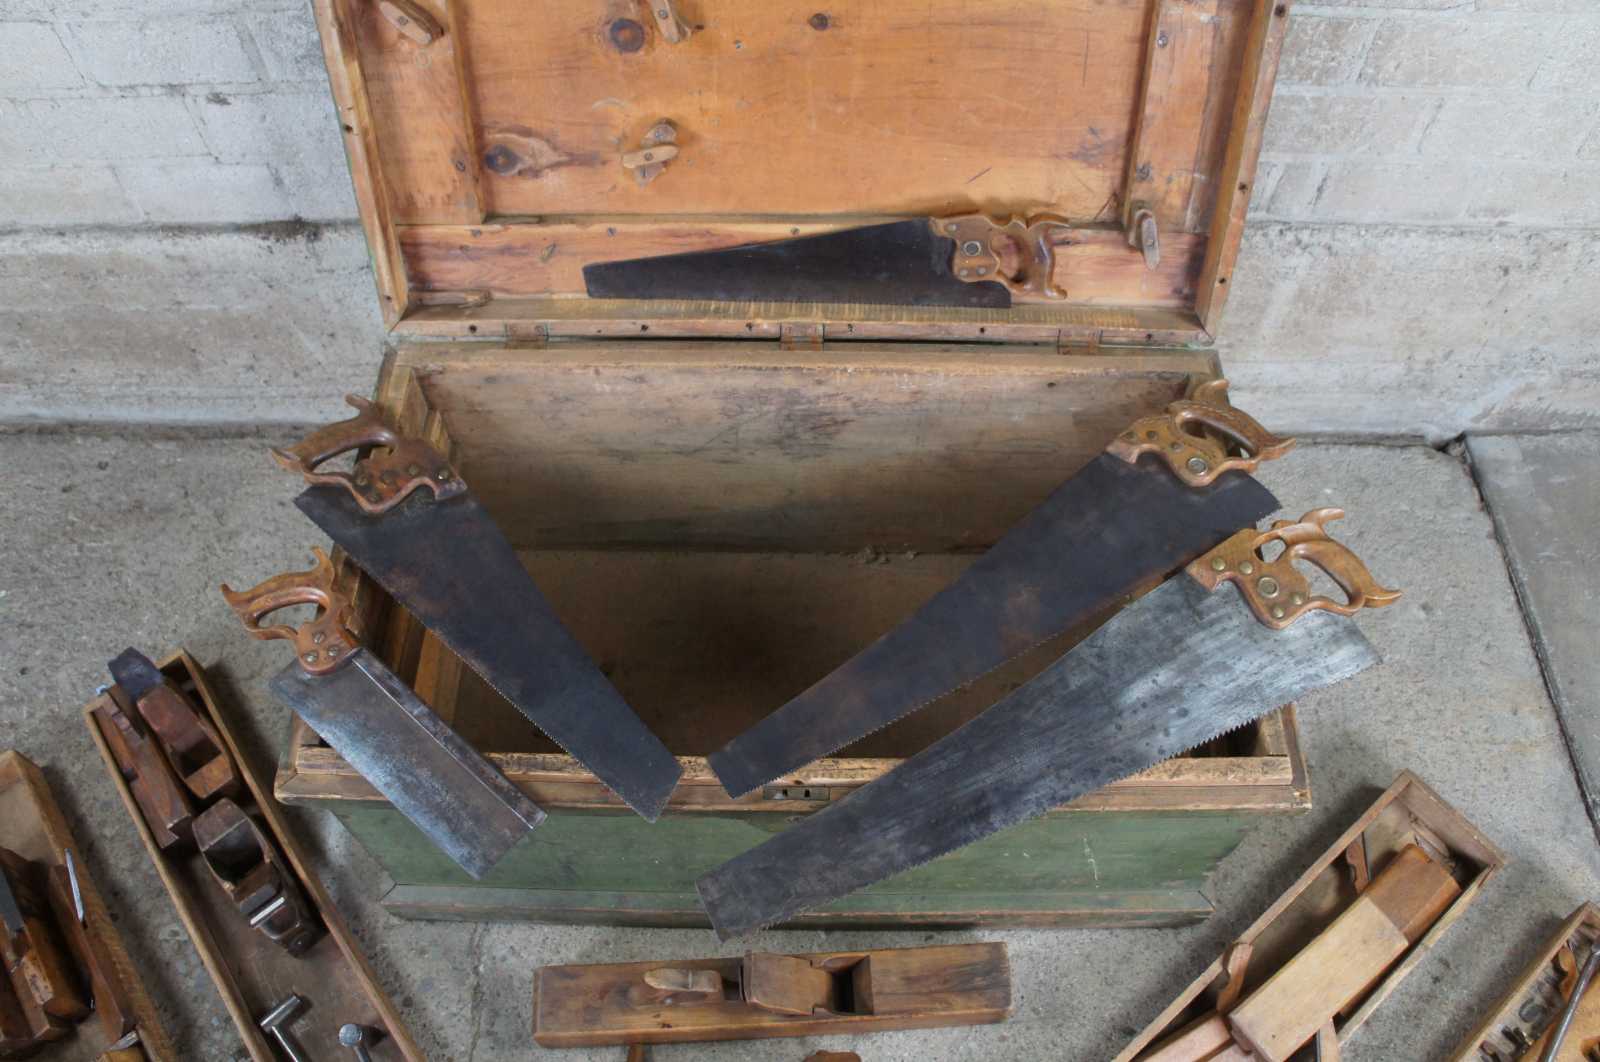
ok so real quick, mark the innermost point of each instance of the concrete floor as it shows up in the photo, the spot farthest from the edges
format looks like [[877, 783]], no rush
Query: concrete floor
[[117, 540]]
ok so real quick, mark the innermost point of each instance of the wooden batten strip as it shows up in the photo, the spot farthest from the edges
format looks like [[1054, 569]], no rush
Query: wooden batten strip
[[1269, 22], [1095, 265], [419, 102], [348, 84], [1164, 162]]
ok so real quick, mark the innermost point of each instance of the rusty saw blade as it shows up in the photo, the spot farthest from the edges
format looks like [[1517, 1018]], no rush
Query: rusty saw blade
[[407, 519], [1180, 666], [366, 714], [1116, 524]]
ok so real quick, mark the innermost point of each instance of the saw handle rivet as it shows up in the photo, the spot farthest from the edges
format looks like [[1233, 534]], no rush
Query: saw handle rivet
[[1218, 564], [972, 248], [1247, 567], [1268, 586], [1277, 612], [1297, 599], [1152, 436], [1198, 466], [310, 658]]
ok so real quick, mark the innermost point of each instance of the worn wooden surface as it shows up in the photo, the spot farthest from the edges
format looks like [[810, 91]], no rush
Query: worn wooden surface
[[33, 826], [611, 1003], [520, 115], [1093, 265], [898, 447], [251, 973], [1407, 813]]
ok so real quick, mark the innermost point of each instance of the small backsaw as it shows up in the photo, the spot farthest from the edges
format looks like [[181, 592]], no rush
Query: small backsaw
[[1180, 666], [406, 517], [458, 799], [1117, 523], [968, 260]]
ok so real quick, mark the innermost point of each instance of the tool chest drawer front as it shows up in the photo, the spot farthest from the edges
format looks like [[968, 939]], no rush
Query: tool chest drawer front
[[719, 526], [499, 148]]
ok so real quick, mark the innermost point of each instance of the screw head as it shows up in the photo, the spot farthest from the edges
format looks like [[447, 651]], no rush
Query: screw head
[[1150, 435], [317, 638], [334, 651], [443, 475], [972, 248], [1247, 567], [951, 227], [1268, 586], [1297, 598], [413, 470], [1277, 612], [1218, 564], [983, 271], [352, 1035], [310, 658], [1198, 466]]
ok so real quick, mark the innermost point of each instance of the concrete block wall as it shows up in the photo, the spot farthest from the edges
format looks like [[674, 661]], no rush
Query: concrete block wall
[[176, 112], [1423, 256]]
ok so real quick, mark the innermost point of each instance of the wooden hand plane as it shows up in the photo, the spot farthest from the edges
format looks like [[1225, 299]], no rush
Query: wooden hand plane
[[766, 995]]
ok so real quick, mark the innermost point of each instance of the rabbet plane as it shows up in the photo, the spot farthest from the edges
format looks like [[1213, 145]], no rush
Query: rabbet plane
[[969, 260], [1163, 492], [1178, 667], [407, 519], [431, 775]]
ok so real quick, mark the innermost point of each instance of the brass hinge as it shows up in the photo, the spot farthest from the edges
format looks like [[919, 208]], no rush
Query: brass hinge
[[801, 335]]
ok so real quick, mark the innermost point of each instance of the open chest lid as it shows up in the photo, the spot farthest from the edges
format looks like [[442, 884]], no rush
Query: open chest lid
[[496, 148]]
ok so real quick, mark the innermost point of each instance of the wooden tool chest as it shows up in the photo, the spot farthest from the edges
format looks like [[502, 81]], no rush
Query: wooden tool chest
[[725, 500]]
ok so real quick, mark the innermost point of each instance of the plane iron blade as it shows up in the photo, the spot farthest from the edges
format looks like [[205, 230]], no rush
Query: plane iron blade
[[448, 564], [902, 263], [458, 799], [1099, 535], [1173, 670]]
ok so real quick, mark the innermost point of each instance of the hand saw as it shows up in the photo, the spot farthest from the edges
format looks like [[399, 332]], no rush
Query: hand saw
[[1178, 667], [1117, 523], [406, 518], [967, 260], [381, 728]]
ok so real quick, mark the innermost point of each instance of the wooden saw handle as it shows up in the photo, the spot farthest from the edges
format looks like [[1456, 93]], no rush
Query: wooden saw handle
[[1196, 458], [1021, 254], [322, 642], [1277, 591], [380, 480]]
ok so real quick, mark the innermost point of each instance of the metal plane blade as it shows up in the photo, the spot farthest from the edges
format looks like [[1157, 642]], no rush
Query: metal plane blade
[[1110, 528], [1175, 669]]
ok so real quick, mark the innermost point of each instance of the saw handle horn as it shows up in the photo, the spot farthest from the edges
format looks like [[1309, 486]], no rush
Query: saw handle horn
[[322, 642], [1021, 254], [379, 481], [1278, 592], [1198, 458]]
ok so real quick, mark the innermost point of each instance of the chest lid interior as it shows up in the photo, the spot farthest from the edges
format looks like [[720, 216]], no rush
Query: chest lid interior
[[497, 148]]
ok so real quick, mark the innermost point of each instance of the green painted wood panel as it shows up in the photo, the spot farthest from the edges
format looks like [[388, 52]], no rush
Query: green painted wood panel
[[619, 854]]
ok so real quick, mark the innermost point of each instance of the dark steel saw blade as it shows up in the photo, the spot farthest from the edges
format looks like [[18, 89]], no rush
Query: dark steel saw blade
[[449, 565], [902, 263], [10, 909], [1173, 670], [1100, 534], [458, 799]]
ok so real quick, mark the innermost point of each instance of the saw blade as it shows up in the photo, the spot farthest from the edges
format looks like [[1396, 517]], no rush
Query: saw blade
[[1173, 670], [425, 769], [450, 567], [1099, 535], [902, 263]]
